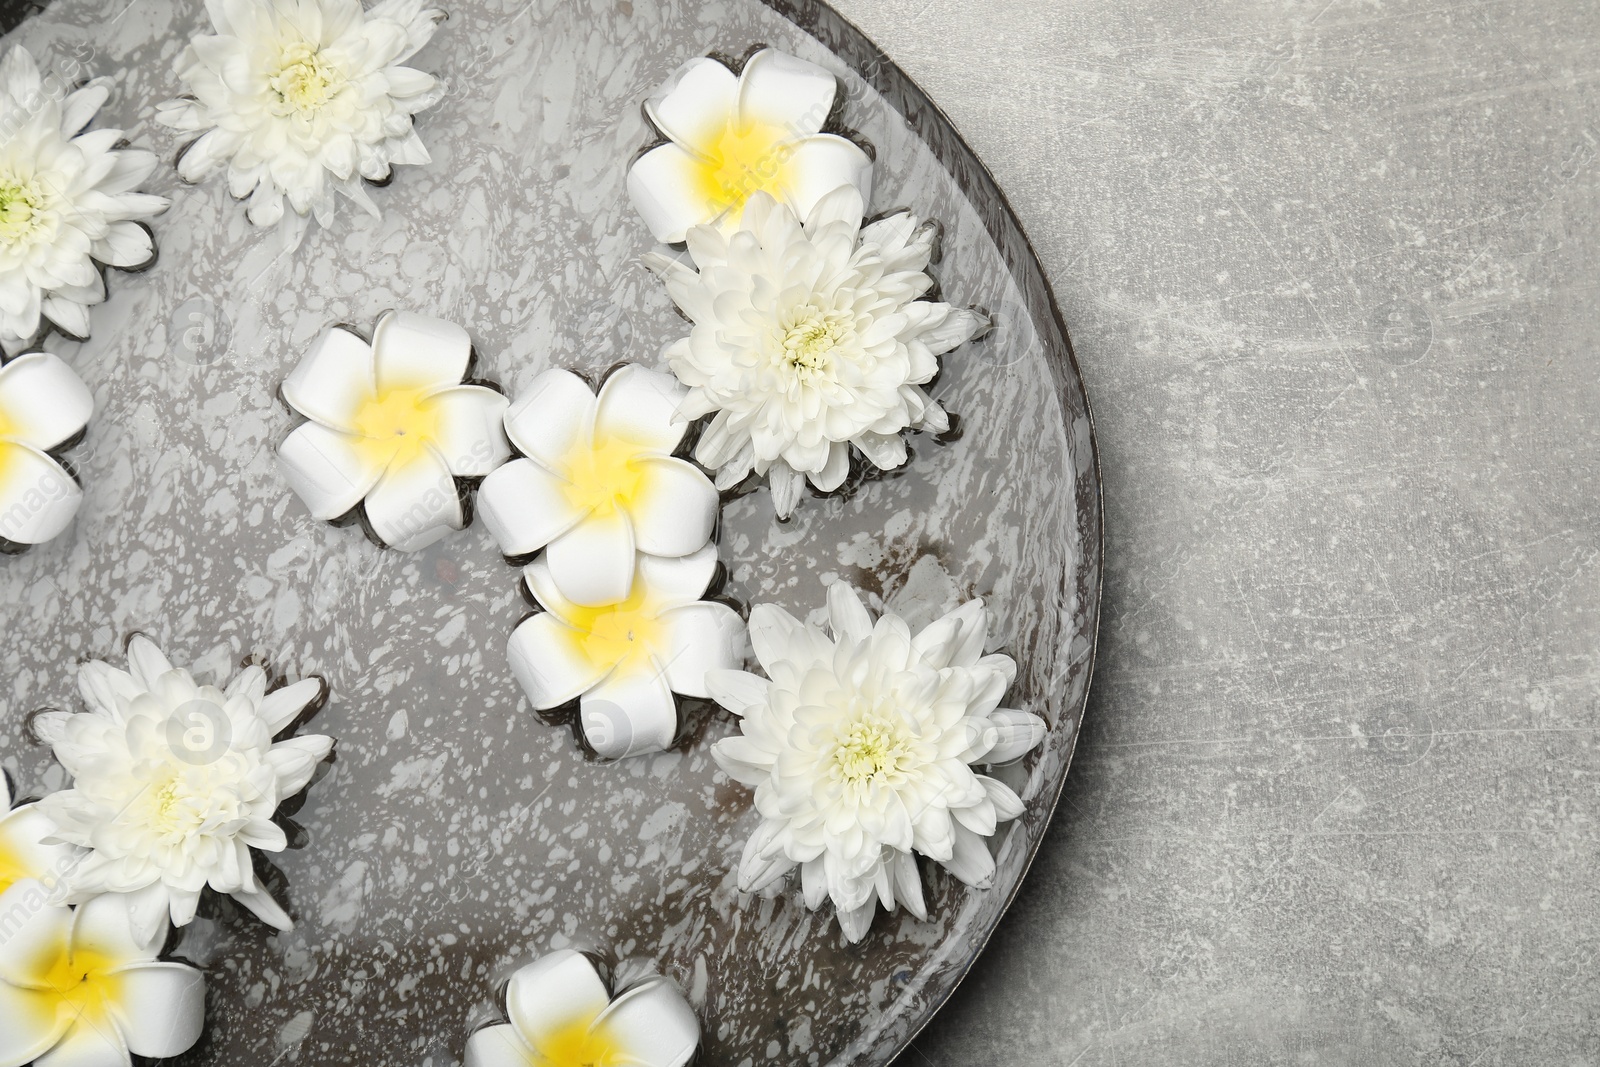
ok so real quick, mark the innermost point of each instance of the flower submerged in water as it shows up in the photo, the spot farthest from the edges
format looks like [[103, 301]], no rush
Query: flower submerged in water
[[393, 425], [44, 407], [599, 481], [808, 340], [562, 1015], [82, 988], [69, 201], [860, 750], [623, 661], [174, 783], [300, 99], [733, 136]]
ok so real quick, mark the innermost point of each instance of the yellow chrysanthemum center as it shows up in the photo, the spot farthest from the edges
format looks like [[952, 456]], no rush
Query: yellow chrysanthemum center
[[807, 338], [870, 749], [23, 203], [577, 1045], [604, 475], [397, 426], [745, 159], [80, 986], [304, 81]]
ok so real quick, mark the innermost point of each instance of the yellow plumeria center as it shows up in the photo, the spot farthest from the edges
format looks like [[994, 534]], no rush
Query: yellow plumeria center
[[80, 986], [13, 868], [397, 426], [304, 81], [577, 1044], [618, 633], [603, 476], [871, 749], [745, 159], [807, 338], [23, 205]]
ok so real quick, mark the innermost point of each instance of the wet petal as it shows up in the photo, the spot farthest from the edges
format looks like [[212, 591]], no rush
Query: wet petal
[[497, 1046], [672, 580], [665, 185], [87, 1045], [694, 105], [103, 926], [552, 418], [640, 405], [162, 1008], [472, 436], [819, 165], [786, 91]]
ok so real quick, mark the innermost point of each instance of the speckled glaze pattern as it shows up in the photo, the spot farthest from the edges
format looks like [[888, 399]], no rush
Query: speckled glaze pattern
[[458, 835]]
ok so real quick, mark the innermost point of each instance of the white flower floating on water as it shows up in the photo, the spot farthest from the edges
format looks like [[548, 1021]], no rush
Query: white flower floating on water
[[23, 851], [810, 339], [731, 137], [562, 1015], [80, 988], [860, 750], [392, 427], [68, 202], [624, 661], [174, 783], [44, 407], [300, 99], [599, 482]]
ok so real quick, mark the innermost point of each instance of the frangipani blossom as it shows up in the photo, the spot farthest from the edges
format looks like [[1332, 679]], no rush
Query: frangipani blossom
[[44, 407], [809, 339], [27, 848], [80, 988], [175, 782], [392, 427], [623, 662], [69, 202], [299, 99], [562, 1015], [599, 482], [860, 751], [731, 137]]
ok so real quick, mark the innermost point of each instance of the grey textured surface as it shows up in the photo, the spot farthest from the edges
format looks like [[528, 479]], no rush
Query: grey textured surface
[[1330, 272]]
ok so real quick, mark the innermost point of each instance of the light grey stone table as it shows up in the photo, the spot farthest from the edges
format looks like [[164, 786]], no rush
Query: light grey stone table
[[1330, 269]]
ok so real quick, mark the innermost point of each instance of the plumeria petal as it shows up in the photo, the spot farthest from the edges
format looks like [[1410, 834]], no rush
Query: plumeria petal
[[629, 713], [692, 106], [640, 405], [675, 509], [549, 661], [664, 186], [415, 504], [678, 579], [822, 163], [333, 380], [87, 1045], [32, 936], [32, 1023], [554, 992], [104, 927], [652, 1025], [704, 637], [23, 853], [785, 91], [38, 498], [552, 418], [161, 1008], [497, 1046], [43, 403], [593, 562], [525, 507], [472, 436], [330, 471]]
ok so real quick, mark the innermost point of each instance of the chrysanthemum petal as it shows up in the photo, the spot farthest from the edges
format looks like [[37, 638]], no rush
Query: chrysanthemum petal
[[970, 859], [265, 908], [856, 922], [281, 706], [295, 760], [652, 1025], [1020, 732], [555, 991], [847, 615], [737, 691]]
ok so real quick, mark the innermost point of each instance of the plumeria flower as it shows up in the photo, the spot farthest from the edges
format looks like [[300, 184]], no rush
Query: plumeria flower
[[81, 988], [562, 1015], [27, 845], [599, 481], [299, 99], [624, 661], [174, 783], [44, 408], [392, 427], [860, 750], [808, 339], [68, 202], [730, 137]]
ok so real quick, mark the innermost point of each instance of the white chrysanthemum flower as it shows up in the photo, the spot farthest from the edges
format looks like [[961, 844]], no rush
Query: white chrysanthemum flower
[[44, 407], [562, 1015], [860, 751], [68, 202], [81, 988], [732, 136], [300, 99], [27, 845], [174, 783], [809, 339], [622, 662]]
